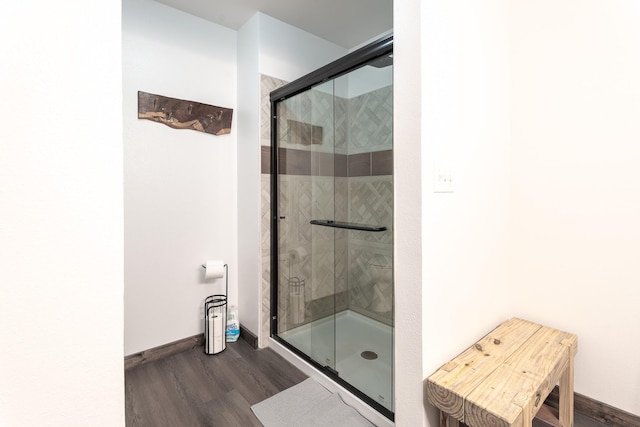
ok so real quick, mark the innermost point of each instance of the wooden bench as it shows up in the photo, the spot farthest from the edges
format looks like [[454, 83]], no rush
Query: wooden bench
[[504, 379]]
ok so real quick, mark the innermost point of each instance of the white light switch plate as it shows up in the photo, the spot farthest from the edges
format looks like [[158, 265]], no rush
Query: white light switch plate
[[443, 179]]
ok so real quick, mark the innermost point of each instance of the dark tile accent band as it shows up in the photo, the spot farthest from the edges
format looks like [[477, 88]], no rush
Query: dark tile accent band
[[340, 162], [323, 164], [382, 162], [304, 162], [359, 164], [294, 162]]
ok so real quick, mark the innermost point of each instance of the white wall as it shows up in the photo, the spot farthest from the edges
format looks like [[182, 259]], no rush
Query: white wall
[[576, 184], [466, 95], [249, 196], [535, 106], [286, 52], [271, 47], [408, 216], [465, 126], [61, 244], [180, 186]]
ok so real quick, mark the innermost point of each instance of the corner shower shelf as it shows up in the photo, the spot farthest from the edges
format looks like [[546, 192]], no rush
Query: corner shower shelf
[[347, 225]]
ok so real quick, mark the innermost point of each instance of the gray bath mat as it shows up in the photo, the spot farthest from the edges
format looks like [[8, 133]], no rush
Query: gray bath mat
[[307, 404]]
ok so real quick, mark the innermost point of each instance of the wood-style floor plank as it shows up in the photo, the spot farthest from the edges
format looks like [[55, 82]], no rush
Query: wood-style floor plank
[[192, 389], [580, 420], [195, 389], [231, 410]]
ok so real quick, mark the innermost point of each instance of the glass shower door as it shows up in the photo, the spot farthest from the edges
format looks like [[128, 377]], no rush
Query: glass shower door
[[364, 331], [322, 308], [334, 225], [306, 288]]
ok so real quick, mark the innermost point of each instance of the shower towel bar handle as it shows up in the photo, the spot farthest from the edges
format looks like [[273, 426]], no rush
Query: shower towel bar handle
[[347, 225]]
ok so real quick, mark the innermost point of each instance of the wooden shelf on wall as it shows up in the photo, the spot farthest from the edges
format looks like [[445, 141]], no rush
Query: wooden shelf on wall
[[181, 114]]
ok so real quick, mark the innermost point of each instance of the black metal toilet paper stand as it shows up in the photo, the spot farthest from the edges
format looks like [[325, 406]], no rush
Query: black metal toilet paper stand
[[215, 319]]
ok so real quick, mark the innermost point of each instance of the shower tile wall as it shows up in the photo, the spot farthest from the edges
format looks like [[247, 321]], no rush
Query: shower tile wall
[[371, 121], [267, 85], [371, 254], [370, 200], [309, 187], [306, 193]]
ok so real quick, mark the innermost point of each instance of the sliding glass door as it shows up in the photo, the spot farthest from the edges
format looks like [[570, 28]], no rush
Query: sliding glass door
[[332, 244]]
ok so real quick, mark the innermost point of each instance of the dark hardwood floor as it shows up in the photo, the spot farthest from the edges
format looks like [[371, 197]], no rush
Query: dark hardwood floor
[[193, 389], [578, 421]]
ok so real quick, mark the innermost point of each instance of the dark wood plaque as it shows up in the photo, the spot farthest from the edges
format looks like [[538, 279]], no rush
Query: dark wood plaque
[[181, 114]]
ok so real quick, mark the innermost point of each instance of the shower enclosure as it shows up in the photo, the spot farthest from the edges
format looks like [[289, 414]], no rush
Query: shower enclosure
[[332, 221]]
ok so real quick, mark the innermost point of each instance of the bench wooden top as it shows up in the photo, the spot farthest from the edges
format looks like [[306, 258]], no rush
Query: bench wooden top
[[504, 377]]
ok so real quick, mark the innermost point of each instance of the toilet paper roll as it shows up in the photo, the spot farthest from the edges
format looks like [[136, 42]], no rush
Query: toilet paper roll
[[210, 334], [214, 269], [218, 335], [215, 334], [296, 255], [296, 306]]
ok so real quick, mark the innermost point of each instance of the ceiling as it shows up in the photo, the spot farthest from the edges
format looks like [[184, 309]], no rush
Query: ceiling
[[347, 23]]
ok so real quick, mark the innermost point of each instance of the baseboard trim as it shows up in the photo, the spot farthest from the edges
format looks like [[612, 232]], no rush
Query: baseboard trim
[[179, 346], [163, 351], [596, 410], [587, 406], [249, 337]]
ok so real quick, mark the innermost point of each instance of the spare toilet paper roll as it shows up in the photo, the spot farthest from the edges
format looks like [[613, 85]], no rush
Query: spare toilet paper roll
[[210, 334], [218, 335], [296, 307], [214, 269], [296, 255], [215, 334]]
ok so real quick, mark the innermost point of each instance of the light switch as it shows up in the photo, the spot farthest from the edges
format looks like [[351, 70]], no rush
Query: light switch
[[443, 180]]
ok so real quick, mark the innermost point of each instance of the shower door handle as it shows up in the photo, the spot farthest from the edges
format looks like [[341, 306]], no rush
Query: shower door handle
[[347, 225]]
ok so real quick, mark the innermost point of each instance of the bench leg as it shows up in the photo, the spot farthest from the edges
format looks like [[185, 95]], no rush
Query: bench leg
[[566, 396], [447, 421], [527, 415]]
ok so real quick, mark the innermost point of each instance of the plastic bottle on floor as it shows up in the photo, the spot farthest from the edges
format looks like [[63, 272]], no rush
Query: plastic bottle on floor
[[233, 325]]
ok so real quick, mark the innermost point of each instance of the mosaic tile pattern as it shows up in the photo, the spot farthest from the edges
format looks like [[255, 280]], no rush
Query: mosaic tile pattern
[[323, 257], [362, 124], [341, 145], [340, 269], [265, 244], [332, 260], [371, 121], [371, 282], [371, 254], [265, 215], [265, 313], [341, 242], [267, 85], [371, 202], [314, 109]]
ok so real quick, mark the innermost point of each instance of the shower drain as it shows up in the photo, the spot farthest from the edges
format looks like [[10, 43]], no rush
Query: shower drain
[[369, 355]]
